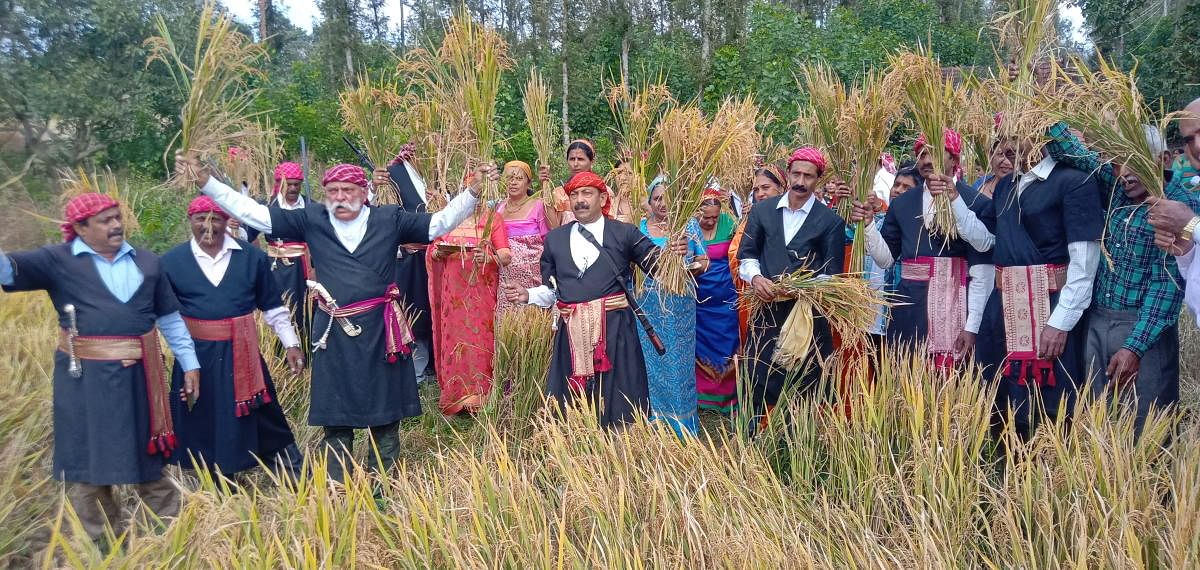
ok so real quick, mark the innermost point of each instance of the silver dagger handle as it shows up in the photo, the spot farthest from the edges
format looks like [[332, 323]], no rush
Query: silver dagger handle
[[75, 369], [348, 327]]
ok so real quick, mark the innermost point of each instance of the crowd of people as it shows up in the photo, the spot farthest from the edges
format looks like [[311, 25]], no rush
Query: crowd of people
[[1065, 273]]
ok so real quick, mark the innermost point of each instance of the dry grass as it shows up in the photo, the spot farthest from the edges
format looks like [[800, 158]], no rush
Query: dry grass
[[218, 102], [911, 479]]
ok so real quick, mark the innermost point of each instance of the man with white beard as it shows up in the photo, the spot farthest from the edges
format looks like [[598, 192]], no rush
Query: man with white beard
[[362, 374]]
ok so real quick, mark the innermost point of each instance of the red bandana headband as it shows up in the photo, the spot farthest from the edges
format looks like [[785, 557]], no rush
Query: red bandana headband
[[82, 207], [588, 178]]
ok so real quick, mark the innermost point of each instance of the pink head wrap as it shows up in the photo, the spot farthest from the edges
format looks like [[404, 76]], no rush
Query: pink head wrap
[[203, 204], [285, 171], [953, 142], [82, 207], [351, 173], [808, 154]]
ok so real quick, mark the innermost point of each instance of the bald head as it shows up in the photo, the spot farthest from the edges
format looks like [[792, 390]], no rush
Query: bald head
[[1189, 131]]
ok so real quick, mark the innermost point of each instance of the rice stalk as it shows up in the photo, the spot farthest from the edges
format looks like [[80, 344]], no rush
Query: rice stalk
[[375, 112], [253, 161], [1027, 31], [818, 122], [865, 125], [214, 79], [636, 112], [693, 150], [536, 100], [847, 302], [524, 343], [1107, 107], [444, 139], [930, 99]]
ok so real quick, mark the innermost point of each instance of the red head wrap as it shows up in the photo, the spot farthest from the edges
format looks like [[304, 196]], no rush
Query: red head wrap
[[712, 194], [588, 178], [82, 207], [808, 154], [953, 142], [286, 171], [203, 204], [351, 173]]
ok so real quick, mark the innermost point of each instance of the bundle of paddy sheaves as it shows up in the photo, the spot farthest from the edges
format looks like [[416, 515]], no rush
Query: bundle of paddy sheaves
[[820, 122], [1107, 107], [536, 100], [524, 343], [253, 160], [930, 99], [846, 302], [218, 109], [376, 113], [636, 112], [695, 150]]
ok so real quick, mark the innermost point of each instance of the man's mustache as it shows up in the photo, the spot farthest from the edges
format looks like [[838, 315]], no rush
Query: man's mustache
[[799, 188], [346, 205], [580, 206], [116, 233]]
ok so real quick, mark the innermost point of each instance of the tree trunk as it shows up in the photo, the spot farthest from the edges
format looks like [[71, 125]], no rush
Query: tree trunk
[[705, 41], [349, 64], [566, 129], [264, 20]]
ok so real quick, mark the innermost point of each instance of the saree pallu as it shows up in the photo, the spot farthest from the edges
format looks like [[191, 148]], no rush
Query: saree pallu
[[717, 340], [672, 378]]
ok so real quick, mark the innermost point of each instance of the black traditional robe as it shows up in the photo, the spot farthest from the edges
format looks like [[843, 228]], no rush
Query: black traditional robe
[[289, 277], [818, 245], [353, 384], [1035, 230], [622, 392], [101, 420], [411, 275], [210, 432], [907, 238]]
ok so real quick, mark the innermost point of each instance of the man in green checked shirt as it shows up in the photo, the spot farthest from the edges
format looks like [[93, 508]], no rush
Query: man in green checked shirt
[[1132, 333]]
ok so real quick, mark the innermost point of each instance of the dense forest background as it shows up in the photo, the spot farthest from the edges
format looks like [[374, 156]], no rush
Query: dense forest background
[[75, 90]]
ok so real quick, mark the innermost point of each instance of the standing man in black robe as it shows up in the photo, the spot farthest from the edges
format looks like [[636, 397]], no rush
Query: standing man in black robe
[[586, 265], [220, 282], [783, 235], [1044, 224], [362, 376], [112, 414]]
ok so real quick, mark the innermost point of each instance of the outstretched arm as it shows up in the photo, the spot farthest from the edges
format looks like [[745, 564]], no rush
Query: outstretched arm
[[235, 203]]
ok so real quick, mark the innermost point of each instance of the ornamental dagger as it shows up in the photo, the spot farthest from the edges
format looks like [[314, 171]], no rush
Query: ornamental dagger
[[74, 369], [348, 327]]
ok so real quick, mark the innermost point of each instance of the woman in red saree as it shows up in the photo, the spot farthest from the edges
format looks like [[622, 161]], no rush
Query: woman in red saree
[[463, 280]]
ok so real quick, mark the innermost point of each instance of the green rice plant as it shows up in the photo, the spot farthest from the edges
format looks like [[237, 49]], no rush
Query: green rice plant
[[536, 100]]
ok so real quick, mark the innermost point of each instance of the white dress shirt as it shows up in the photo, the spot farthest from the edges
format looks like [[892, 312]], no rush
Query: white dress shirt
[[583, 253], [792, 221], [349, 233], [214, 268], [1190, 270], [297, 205]]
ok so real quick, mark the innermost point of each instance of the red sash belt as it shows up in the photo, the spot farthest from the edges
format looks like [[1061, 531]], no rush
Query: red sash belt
[[585, 328], [399, 336], [249, 385], [130, 350], [1025, 300], [945, 302]]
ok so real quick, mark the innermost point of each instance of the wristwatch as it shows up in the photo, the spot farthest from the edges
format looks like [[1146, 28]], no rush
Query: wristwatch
[[1189, 229]]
